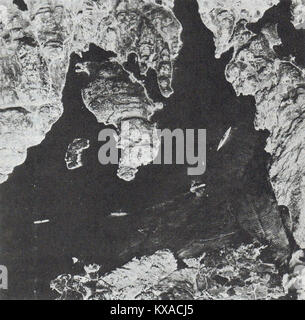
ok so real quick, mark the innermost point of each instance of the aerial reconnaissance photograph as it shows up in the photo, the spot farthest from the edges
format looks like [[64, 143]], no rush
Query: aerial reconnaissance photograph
[[152, 150]]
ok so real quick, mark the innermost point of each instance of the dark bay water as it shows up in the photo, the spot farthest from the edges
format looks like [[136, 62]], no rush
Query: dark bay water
[[78, 202]]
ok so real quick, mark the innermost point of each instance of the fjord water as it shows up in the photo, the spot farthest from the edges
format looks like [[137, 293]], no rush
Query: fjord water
[[78, 203]]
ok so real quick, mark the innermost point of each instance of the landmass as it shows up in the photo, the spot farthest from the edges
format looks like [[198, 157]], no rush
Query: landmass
[[36, 45], [298, 13], [34, 59], [117, 100], [75, 149], [227, 274], [33, 65], [277, 84]]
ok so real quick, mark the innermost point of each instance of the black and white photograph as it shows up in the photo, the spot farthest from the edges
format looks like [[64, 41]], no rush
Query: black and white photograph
[[152, 150]]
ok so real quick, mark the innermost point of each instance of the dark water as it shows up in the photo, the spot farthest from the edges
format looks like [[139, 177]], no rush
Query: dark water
[[78, 202]]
